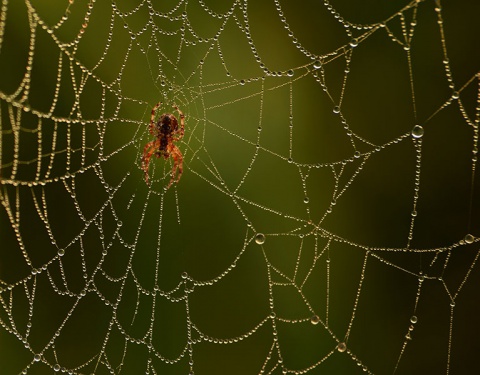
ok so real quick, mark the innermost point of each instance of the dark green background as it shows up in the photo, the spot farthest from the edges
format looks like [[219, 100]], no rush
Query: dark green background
[[216, 227]]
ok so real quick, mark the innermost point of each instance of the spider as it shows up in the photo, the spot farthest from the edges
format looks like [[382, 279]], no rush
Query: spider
[[166, 131]]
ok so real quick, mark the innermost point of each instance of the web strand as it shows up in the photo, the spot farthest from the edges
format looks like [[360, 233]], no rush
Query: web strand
[[327, 205]]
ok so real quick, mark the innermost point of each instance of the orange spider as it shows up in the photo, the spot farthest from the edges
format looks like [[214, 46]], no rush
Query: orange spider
[[166, 131]]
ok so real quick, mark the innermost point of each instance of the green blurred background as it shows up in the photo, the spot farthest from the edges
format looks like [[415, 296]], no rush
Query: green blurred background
[[132, 243]]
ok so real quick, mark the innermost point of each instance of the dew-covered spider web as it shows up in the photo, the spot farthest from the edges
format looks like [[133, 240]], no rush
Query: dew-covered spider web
[[327, 219]]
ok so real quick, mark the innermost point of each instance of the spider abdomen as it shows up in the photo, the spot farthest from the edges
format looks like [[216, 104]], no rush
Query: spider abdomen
[[167, 124]]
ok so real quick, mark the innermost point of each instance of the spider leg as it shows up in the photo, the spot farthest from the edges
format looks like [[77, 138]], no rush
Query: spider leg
[[148, 151], [180, 132], [151, 126], [177, 165]]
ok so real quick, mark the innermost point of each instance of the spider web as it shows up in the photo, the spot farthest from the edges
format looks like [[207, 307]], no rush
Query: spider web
[[327, 217]]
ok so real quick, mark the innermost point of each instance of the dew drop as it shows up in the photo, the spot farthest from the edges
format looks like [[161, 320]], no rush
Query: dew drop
[[61, 252], [417, 131], [455, 95], [260, 239], [413, 319], [336, 109], [356, 154], [290, 73], [242, 82], [341, 347], [37, 357], [306, 200], [56, 367], [315, 319], [353, 42], [469, 239], [317, 64]]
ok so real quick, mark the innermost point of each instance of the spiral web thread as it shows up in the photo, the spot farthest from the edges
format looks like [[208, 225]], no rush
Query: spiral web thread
[[98, 270]]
